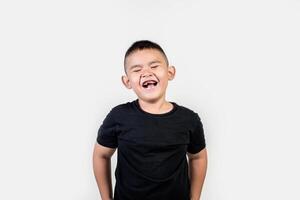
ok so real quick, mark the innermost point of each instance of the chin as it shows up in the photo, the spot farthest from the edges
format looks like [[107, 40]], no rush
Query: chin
[[150, 98]]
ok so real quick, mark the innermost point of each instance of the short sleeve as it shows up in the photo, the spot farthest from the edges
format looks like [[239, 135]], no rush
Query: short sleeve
[[107, 132], [197, 139]]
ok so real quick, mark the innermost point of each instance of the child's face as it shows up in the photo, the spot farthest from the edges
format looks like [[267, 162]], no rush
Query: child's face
[[148, 65]]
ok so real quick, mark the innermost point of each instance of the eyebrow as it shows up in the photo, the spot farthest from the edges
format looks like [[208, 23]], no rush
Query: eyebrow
[[154, 61]]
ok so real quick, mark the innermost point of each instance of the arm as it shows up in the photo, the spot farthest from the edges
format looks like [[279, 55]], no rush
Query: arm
[[102, 170], [197, 172]]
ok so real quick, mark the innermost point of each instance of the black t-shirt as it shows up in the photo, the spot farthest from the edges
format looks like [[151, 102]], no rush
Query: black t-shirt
[[152, 162]]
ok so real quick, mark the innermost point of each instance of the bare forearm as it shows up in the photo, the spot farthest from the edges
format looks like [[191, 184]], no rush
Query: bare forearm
[[102, 172], [197, 170]]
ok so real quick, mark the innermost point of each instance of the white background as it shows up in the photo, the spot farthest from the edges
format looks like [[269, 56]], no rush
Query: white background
[[237, 66]]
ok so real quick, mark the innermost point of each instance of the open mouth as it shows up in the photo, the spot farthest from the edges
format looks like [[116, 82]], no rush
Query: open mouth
[[149, 84]]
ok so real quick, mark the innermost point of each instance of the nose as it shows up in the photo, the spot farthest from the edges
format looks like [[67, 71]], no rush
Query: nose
[[146, 74]]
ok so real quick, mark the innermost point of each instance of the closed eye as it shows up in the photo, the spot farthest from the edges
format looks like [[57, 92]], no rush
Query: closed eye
[[154, 66], [137, 70]]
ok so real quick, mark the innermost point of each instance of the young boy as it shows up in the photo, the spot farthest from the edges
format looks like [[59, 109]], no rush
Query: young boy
[[153, 136]]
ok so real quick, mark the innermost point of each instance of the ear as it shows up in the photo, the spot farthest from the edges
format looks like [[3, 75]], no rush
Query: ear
[[171, 72], [126, 82]]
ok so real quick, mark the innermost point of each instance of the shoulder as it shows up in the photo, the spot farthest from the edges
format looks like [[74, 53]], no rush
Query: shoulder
[[189, 113], [121, 108], [187, 110]]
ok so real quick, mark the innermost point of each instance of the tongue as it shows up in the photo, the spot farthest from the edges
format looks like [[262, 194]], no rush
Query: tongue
[[150, 85]]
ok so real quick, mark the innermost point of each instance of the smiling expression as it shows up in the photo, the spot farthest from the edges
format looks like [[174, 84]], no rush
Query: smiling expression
[[148, 73]]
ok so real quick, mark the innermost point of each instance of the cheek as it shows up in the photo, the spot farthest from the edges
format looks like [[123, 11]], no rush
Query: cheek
[[162, 75], [134, 81]]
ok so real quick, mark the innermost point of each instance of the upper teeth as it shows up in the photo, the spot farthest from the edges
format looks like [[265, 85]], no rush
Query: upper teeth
[[149, 82]]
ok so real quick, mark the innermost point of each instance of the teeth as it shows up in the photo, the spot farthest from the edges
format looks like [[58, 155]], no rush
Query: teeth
[[147, 83]]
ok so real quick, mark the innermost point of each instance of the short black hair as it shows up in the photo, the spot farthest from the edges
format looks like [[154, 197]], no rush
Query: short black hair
[[144, 44]]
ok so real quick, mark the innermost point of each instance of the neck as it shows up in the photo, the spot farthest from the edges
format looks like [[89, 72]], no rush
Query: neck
[[156, 107]]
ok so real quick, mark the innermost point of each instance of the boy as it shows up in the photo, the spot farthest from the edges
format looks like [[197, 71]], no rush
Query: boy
[[153, 136]]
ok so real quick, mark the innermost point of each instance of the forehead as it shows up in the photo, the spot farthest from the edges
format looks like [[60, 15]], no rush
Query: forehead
[[143, 57]]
